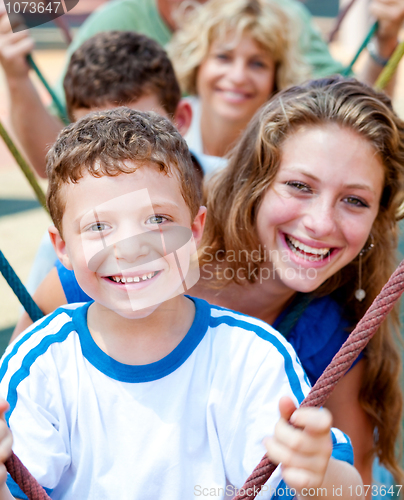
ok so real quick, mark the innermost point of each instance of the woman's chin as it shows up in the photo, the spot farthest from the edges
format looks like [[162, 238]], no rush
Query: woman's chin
[[304, 285]]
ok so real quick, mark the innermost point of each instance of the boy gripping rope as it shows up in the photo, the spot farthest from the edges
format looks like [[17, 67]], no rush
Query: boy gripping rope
[[145, 392]]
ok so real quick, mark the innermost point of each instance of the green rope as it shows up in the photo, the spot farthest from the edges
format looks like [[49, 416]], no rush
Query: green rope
[[60, 108], [19, 289], [24, 166], [390, 68], [367, 39]]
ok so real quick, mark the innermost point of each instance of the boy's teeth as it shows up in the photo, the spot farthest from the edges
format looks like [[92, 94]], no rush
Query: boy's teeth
[[134, 279], [295, 244]]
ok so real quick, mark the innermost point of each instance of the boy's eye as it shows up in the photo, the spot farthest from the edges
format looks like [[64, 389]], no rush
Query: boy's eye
[[156, 219], [357, 202], [98, 227], [300, 186]]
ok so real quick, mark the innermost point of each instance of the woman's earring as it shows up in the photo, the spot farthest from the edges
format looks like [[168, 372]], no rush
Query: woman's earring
[[360, 293]]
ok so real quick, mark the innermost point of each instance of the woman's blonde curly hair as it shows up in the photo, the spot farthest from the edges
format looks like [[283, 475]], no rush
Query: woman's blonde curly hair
[[264, 20]]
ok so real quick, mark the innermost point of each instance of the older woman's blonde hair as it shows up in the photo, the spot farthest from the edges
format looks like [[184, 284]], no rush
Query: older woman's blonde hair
[[235, 195], [264, 20]]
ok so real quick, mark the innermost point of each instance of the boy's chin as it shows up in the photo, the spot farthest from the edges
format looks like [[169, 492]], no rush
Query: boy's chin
[[144, 310], [140, 313]]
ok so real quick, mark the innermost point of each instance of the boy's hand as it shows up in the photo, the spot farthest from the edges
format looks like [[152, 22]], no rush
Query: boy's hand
[[304, 448], [6, 441], [14, 47]]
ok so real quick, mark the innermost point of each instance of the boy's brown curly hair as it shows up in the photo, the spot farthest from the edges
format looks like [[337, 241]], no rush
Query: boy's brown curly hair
[[115, 142]]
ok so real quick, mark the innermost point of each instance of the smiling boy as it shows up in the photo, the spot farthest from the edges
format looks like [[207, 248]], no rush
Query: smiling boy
[[149, 393]]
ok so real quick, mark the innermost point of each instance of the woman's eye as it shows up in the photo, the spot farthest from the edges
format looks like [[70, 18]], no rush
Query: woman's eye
[[357, 202], [300, 186], [98, 227], [258, 64], [222, 56], [156, 219]]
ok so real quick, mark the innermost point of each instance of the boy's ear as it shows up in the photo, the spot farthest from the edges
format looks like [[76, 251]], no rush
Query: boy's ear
[[183, 116], [198, 225], [60, 247]]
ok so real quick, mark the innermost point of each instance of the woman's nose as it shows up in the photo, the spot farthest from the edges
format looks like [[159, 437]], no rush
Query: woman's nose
[[320, 219], [237, 71]]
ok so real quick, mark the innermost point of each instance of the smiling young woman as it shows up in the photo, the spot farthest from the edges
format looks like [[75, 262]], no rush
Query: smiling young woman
[[233, 55], [318, 212], [316, 180]]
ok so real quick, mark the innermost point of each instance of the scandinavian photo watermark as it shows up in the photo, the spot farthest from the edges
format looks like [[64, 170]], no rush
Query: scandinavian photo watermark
[[388, 491], [259, 265]]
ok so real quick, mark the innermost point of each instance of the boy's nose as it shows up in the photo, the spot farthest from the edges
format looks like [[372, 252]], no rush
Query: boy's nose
[[131, 249], [127, 251], [142, 248]]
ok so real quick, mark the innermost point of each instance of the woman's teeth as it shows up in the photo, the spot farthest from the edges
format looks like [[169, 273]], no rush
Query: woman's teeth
[[231, 94], [302, 250], [134, 279]]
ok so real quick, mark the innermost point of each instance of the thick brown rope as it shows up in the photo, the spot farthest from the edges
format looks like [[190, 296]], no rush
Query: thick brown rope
[[25, 479], [339, 365]]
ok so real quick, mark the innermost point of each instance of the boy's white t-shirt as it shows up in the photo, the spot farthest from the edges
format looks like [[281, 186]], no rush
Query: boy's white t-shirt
[[188, 426]]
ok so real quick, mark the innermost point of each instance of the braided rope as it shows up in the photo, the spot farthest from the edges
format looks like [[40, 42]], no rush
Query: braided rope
[[339, 365], [56, 101], [21, 475], [23, 164], [19, 289], [367, 39]]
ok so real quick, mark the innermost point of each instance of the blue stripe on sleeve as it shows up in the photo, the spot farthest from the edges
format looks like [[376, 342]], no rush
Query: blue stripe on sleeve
[[344, 452], [24, 338], [23, 372], [294, 380], [341, 446]]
